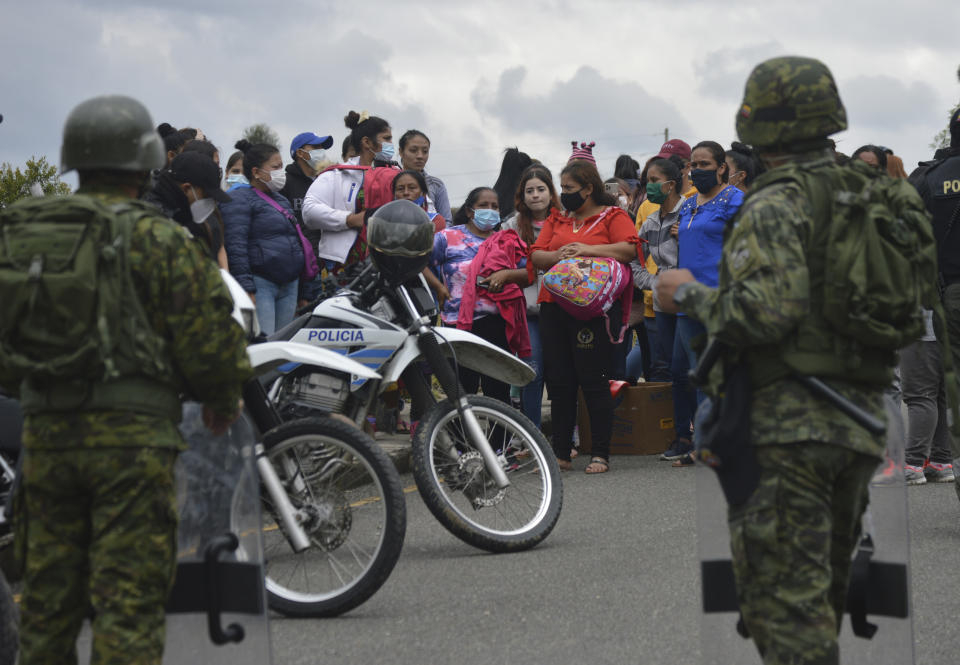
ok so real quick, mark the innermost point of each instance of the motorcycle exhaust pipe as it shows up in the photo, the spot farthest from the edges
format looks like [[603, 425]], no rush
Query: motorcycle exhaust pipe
[[281, 502]]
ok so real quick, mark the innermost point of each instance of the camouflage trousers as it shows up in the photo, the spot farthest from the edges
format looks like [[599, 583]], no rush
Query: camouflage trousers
[[100, 535], [792, 543]]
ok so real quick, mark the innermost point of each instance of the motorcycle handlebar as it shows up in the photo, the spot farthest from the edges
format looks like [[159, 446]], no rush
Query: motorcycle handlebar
[[350, 287]]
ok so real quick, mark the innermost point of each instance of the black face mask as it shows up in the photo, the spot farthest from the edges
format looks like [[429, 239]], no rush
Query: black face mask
[[704, 179], [572, 201]]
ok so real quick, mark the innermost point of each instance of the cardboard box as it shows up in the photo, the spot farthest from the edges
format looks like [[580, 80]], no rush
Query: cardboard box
[[642, 420]]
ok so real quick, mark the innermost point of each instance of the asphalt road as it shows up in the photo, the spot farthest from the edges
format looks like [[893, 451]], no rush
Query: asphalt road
[[616, 582]]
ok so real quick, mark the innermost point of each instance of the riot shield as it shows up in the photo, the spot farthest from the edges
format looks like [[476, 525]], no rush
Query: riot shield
[[878, 625], [217, 609]]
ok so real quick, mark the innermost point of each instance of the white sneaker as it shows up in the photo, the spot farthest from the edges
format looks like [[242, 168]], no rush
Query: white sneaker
[[935, 472], [914, 475]]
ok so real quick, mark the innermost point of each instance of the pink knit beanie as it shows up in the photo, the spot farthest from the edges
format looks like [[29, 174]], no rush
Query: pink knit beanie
[[585, 152]]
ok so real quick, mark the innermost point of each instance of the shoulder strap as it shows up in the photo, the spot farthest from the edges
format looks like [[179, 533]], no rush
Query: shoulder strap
[[279, 208], [598, 219], [346, 167]]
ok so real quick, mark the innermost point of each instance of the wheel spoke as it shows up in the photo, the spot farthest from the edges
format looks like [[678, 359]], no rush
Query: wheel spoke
[[344, 511], [475, 497]]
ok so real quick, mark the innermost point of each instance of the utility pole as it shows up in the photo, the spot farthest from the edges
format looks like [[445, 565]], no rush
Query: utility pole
[[666, 134]]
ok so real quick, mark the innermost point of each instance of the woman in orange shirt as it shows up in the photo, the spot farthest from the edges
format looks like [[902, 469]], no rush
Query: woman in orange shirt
[[579, 354]]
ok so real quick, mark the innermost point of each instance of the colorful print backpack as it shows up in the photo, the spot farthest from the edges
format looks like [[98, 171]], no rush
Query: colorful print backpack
[[587, 287]]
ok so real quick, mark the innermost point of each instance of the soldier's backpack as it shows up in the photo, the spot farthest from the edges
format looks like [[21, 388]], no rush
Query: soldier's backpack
[[66, 310], [880, 259]]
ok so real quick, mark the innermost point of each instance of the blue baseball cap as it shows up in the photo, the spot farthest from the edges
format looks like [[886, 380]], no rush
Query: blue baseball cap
[[309, 138]]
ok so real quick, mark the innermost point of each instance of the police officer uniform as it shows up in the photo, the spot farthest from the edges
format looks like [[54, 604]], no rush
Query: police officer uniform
[[939, 187]]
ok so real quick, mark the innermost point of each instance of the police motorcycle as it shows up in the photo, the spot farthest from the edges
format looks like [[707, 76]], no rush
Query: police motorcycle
[[334, 516], [483, 469]]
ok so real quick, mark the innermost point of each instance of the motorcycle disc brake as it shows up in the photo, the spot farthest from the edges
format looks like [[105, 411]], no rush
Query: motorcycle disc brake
[[478, 486], [328, 518]]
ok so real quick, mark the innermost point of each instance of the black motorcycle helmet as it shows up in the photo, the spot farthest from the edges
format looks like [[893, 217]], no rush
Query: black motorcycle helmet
[[400, 238]]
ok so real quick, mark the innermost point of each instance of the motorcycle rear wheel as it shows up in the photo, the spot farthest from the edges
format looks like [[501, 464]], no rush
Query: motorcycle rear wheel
[[351, 495], [459, 491]]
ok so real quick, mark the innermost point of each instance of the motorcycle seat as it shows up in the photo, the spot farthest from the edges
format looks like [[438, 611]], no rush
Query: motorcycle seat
[[289, 330]]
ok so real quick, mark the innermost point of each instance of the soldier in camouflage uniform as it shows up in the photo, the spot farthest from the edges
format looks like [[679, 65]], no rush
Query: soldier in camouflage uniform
[[792, 539], [99, 509]]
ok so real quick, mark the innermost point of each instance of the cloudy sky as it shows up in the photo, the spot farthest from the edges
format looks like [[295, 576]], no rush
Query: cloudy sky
[[475, 77]]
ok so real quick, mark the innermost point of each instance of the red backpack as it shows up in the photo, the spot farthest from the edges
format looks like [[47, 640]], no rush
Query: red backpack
[[377, 183]]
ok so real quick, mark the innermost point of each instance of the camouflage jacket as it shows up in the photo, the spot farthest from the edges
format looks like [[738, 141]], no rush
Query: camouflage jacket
[[763, 293], [188, 304]]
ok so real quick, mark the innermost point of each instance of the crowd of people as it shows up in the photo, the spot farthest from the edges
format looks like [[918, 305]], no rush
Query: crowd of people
[[670, 212], [707, 243]]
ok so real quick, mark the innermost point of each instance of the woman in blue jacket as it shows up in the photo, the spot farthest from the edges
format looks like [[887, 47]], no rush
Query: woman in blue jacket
[[263, 246], [702, 221]]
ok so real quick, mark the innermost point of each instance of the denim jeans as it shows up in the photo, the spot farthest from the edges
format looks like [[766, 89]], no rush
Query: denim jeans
[[620, 353], [531, 395], [635, 360], [637, 351], [276, 303], [684, 399], [661, 346]]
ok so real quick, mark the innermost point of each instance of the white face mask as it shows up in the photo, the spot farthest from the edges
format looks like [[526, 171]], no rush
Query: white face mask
[[277, 180], [316, 158], [201, 208]]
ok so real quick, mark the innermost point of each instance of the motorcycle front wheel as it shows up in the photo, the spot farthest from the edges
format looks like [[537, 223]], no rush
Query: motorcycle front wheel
[[349, 499], [458, 490]]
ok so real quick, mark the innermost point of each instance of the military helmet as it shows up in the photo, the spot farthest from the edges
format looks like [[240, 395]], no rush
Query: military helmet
[[789, 100], [111, 132]]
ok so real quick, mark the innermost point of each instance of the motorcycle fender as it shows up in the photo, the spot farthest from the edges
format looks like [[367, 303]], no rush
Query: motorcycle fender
[[270, 355], [472, 352]]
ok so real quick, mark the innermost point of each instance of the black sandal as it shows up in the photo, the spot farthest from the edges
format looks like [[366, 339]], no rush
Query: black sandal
[[599, 461]]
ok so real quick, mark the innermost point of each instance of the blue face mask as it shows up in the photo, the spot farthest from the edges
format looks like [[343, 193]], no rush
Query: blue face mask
[[386, 153], [235, 178], [485, 219], [421, 201]]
